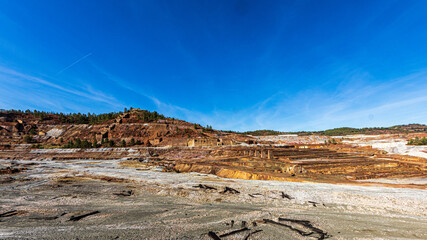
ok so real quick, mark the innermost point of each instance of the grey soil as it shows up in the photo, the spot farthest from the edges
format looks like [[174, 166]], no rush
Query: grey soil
[[42, 202]]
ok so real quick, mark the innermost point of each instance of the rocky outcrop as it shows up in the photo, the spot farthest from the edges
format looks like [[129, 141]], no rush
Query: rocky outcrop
[[136, 126]]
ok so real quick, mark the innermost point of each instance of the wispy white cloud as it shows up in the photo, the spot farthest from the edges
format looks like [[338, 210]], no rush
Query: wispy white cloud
[[354, 100], [161, 106], [360, 102], [352, 105], [31, 86], [73, 63]]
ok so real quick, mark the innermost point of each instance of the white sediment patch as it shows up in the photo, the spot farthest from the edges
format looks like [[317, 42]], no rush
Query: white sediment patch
[[390, 145], [294, 139], [55, 132], [358, 199], [55, 150], [400, 147], [71, 150], [417, 180]]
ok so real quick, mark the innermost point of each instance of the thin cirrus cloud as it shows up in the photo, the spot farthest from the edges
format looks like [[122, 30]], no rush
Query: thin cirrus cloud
[[357, 105], [358, 102], [163, 107], [40, 92], [311, 109], [397, 101], [73, 63]]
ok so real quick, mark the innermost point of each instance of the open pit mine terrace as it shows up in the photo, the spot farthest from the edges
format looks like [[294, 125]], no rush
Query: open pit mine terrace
[[314, 192], [295, 163]]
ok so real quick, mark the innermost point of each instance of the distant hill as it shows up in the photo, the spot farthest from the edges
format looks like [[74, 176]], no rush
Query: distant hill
[[263, 133], [409, 128]]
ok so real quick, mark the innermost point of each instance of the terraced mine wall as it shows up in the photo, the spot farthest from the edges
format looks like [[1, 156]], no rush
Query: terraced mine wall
[[310, 163]]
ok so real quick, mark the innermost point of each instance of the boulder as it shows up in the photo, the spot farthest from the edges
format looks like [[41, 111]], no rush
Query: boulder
[[18, 127]]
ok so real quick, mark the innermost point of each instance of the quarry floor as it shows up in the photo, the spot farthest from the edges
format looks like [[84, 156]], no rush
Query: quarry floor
[[49, 200]]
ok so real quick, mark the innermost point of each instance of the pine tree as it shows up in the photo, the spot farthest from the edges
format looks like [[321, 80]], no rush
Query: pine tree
[[94, 142], [77, 143], [28, 139], [32, 131]]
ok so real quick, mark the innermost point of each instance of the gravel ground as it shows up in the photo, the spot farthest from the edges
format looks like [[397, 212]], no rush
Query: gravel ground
[[127, 203]]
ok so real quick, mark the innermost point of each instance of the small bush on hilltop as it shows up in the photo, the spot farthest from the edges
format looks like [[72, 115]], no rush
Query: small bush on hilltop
[[418, 141], [28, 139]]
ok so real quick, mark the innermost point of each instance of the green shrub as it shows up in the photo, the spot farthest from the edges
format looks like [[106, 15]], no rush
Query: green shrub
[[418, 141], [28, 139]]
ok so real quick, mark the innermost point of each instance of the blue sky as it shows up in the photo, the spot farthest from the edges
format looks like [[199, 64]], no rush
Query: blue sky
[[239, 65]]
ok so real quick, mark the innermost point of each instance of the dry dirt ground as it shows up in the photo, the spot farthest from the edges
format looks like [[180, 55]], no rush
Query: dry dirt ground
[[105, 199]]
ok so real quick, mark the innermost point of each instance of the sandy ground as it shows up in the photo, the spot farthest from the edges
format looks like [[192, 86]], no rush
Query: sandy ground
[[50, 194], [416, 180], [392, 145]]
